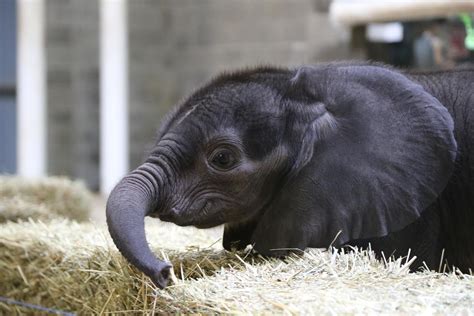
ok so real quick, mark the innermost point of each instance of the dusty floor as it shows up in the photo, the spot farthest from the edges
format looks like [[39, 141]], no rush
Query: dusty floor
[[98, 209]]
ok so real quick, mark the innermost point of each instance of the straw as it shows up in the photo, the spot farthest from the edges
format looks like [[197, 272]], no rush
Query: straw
[[75, 267], [43, 199]]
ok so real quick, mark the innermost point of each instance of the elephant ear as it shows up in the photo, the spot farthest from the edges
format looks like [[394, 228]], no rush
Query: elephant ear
[[377, 149]]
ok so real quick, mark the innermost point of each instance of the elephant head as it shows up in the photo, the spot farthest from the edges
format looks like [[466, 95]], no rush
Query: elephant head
[[286, 158]]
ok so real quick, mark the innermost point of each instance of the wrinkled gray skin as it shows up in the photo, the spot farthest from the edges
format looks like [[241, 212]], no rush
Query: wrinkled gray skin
[[288, 158]]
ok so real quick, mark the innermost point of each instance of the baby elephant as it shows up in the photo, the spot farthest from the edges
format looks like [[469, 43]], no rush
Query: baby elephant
[[340, 153]]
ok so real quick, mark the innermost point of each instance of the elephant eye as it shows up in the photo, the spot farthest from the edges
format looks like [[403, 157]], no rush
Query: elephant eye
[[223, 159]]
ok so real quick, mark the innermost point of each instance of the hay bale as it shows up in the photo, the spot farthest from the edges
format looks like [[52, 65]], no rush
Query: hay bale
[[43, 199], [75, 267]]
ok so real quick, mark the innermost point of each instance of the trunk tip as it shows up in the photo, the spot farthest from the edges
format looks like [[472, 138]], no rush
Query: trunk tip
[[162, 275]]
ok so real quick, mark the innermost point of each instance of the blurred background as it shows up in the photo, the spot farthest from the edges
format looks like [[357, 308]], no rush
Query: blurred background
[[84, 84]]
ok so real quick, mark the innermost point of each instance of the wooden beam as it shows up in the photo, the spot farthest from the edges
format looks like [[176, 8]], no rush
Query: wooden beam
[[350, 13]]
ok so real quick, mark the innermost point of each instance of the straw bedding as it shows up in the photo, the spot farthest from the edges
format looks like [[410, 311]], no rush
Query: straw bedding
[[75, 267], [43, 199]]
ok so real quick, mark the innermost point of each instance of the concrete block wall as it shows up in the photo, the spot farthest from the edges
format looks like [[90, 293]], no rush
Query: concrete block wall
[[72, 52]]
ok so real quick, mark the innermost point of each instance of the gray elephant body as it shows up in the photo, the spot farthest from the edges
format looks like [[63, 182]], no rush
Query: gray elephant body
[[341, 154], [444, 229]]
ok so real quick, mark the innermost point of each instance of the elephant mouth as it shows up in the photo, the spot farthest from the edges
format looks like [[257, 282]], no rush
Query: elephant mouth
[[196, 216], [207, 220]]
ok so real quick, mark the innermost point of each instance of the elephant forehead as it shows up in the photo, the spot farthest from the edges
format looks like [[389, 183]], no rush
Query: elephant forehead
[[203, 123], [220, 112], [232, 106]]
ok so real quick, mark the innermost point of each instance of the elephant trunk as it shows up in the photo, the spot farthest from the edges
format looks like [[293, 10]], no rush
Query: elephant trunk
[[128, 204]]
